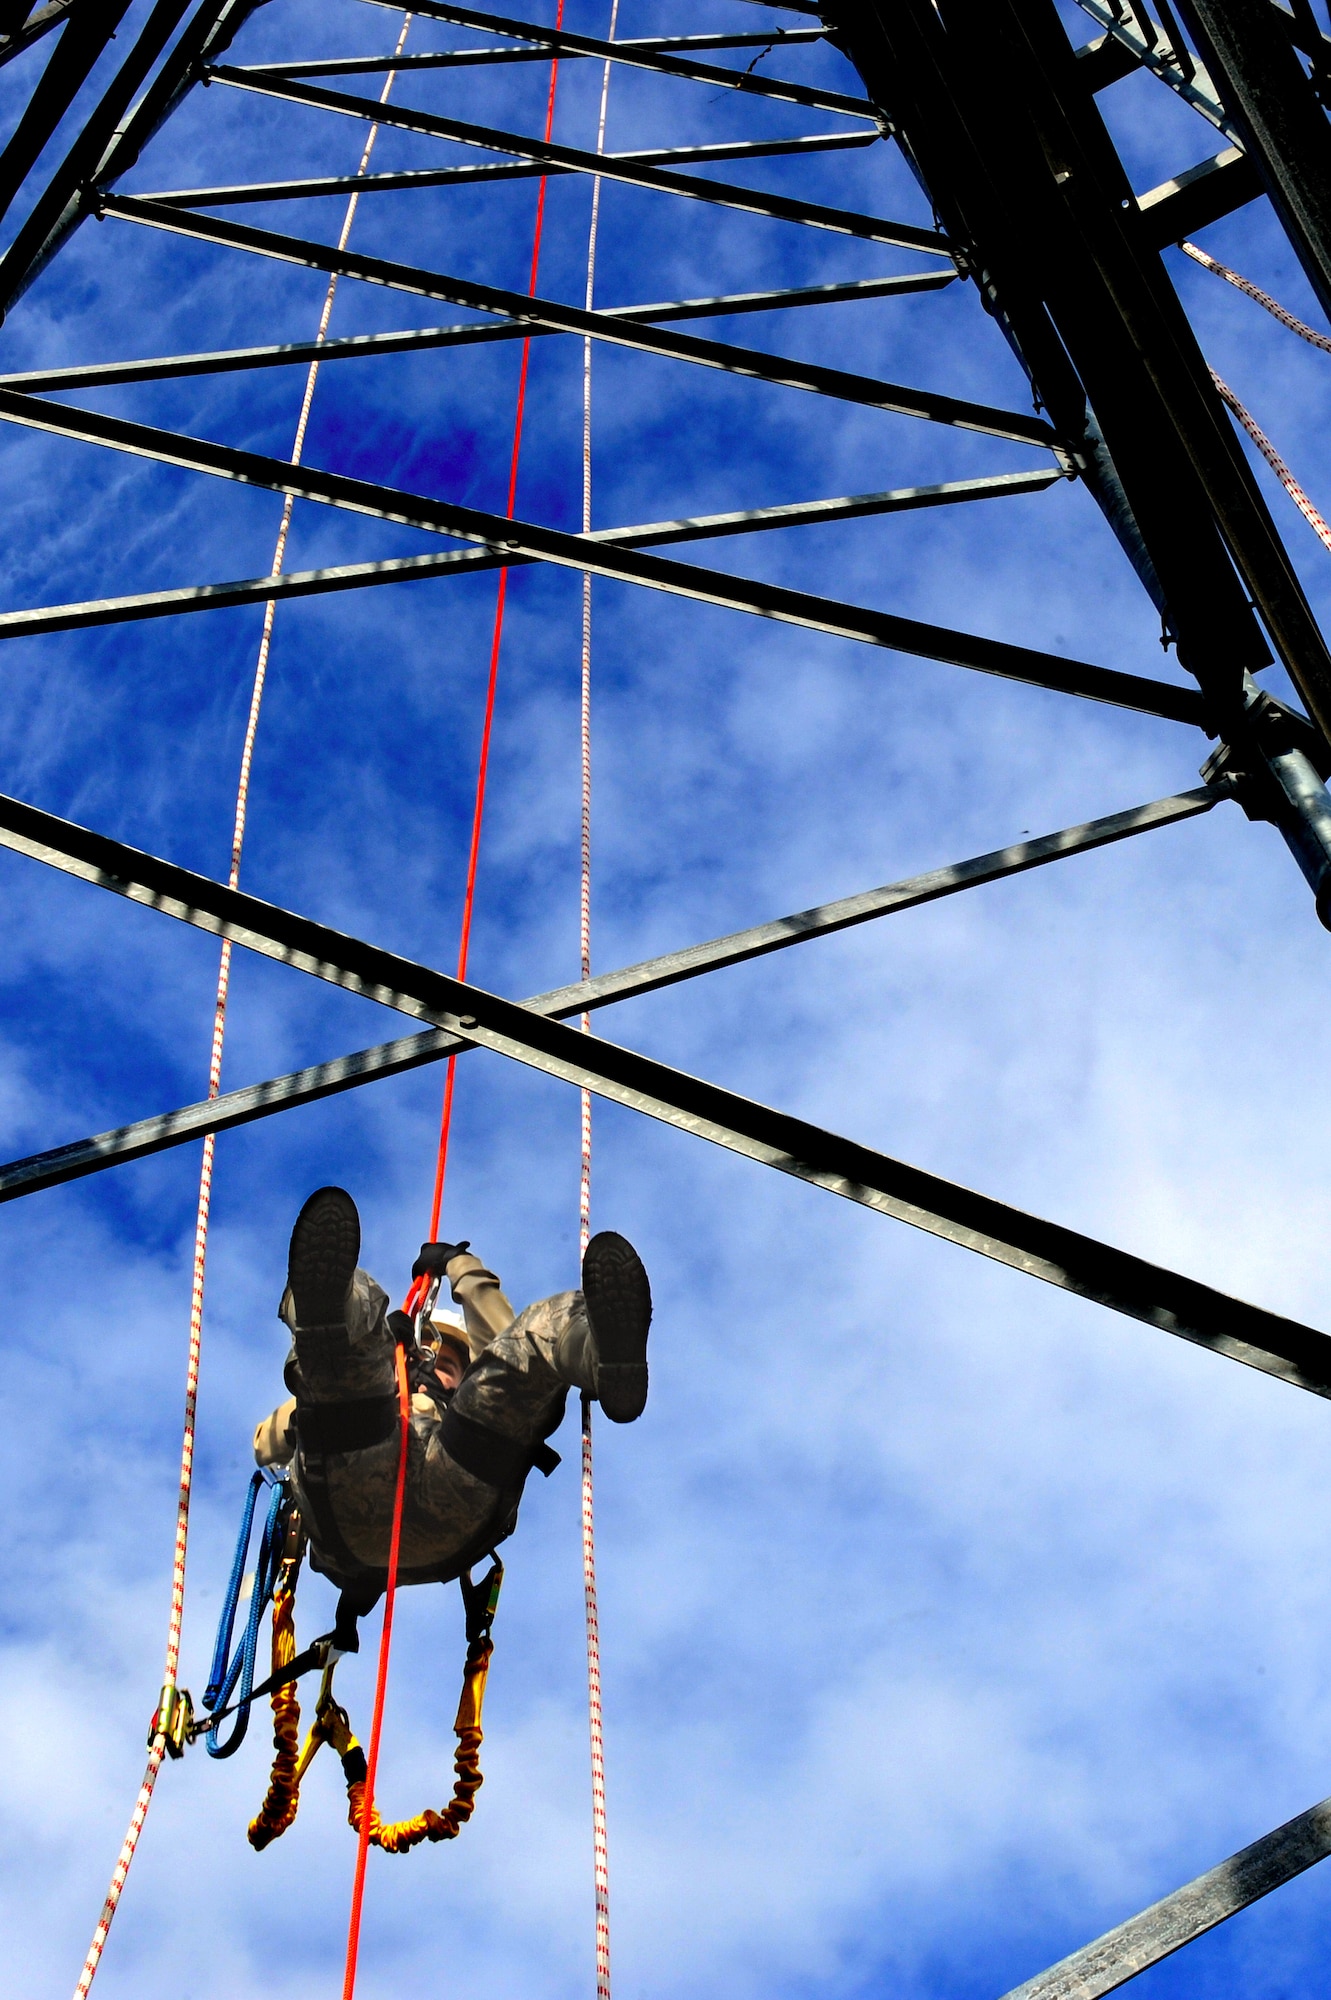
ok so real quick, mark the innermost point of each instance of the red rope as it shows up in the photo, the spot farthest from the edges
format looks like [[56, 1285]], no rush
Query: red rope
[[501, 597], [420, 1286], [381, 1678]]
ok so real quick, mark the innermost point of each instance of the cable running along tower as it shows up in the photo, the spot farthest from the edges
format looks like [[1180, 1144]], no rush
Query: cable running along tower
[[994, 106]]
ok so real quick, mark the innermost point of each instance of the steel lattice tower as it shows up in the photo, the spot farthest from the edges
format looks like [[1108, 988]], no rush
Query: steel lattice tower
[[994, 109]]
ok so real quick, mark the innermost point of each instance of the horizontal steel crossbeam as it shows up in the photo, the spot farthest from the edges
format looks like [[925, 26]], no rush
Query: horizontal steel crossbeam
[[308, 1086], [894, 398], [561, 42], [504, 170], [608, 166], [530, 52], [1189, 1913], [1195, 88], [414, 569], [359, 346], [1045, 1250], [1198, 197], [585, 553]]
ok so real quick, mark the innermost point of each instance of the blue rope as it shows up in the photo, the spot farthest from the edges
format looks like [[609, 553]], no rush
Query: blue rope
[[227, 1618], [227, 1670]]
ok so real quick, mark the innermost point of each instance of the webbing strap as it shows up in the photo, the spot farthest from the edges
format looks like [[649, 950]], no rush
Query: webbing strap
[[502, 1462], [283, 1796], [352, 1426]]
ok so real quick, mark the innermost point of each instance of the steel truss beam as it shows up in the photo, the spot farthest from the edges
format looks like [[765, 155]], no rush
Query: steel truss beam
[[86, 33], [308, 1086], [360, 346], [988, 113], [1061, 1257], [1007, 141], [1189, 1913], [518, 307], [561, 42], [585, 553], [23, 24], [1198, 196], [1281, 124], [114, 135], [530, 52], [518, 170], [608, 166], [1195, 88], [409, 569], [507, 53]]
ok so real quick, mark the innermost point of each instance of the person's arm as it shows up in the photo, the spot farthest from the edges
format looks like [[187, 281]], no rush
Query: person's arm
[[484, 1307]]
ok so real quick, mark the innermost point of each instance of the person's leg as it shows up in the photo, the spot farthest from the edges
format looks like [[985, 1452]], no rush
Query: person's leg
[[347, 1359], [594, 1340], [342, 1348], [341, 1372], [517, 1383], [618, 1305]]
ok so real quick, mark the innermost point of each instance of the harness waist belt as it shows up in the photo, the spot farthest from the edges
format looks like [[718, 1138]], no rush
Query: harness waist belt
[[328, 1427], [500, 1461]]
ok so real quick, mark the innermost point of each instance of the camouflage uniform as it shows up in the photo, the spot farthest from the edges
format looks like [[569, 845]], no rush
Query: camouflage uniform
[[521, 1370]]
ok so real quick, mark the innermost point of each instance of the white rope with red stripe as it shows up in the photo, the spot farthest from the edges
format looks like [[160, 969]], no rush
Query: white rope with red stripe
[[1263, 443], [158, 1747], [1276, 462], [1272, 306], [600, 1842]]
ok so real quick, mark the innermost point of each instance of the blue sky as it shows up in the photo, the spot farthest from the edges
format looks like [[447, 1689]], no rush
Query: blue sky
[[946, 1619]]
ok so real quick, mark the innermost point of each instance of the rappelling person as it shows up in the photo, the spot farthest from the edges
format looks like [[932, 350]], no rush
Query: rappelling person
[[488, 1391]]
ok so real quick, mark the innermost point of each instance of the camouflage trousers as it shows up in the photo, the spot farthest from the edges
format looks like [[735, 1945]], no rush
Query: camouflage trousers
[[516, 1386]]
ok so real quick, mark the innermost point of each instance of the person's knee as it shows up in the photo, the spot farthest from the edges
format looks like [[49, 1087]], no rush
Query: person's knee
[[347, 1360]]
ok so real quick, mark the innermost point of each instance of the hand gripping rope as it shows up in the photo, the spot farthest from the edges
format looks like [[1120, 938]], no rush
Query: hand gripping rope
[[171, 1722]]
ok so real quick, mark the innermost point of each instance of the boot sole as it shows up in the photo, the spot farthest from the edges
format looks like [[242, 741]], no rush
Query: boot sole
[[325, 1246], [619, 1309]]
